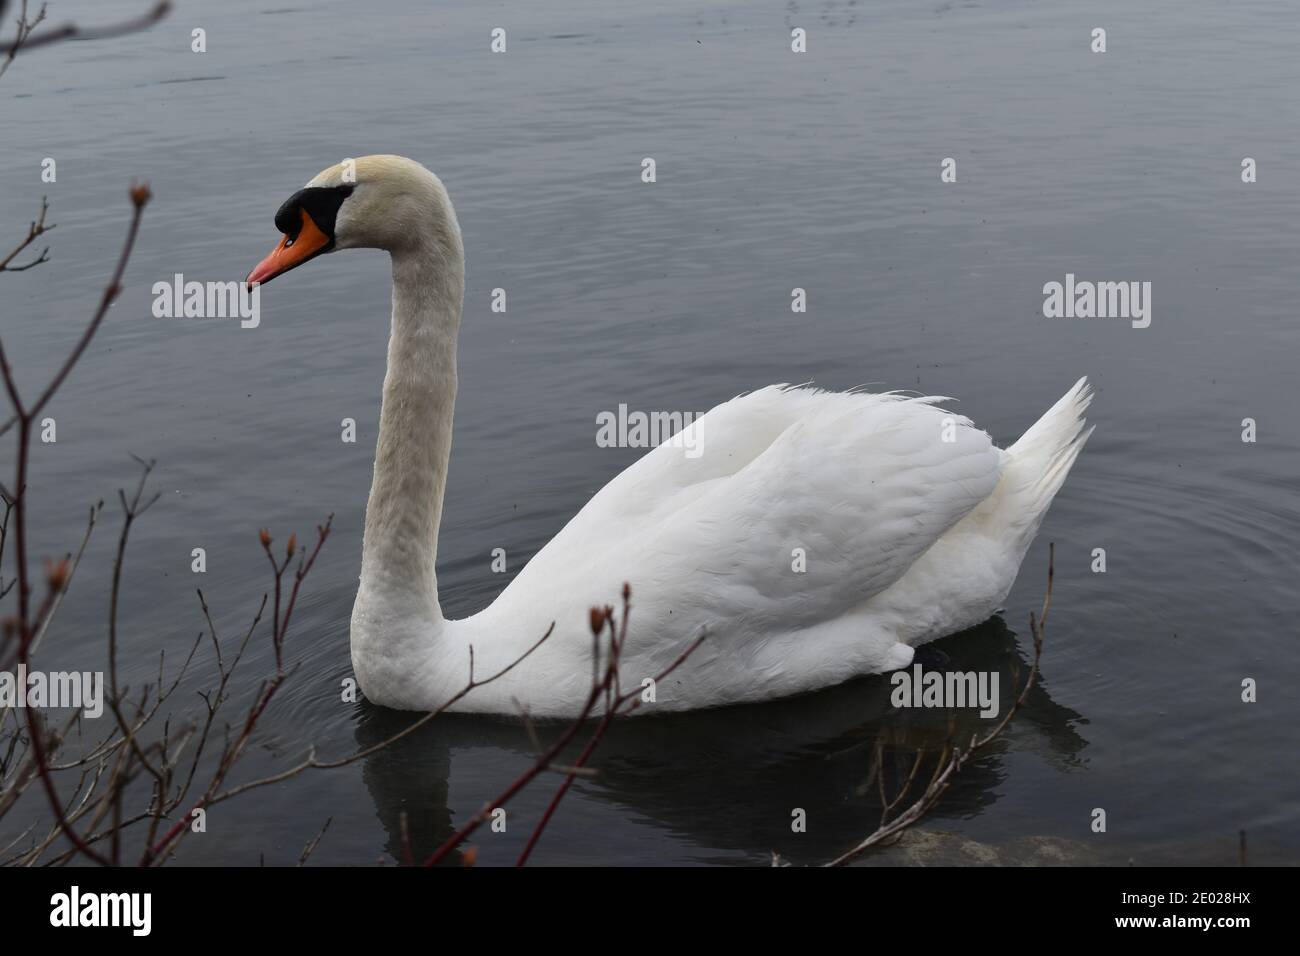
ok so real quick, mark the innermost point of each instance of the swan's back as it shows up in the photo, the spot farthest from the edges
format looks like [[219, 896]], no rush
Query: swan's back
[[801, 505]]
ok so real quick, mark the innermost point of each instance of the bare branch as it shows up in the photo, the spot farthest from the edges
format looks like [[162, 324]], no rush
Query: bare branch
[[35, 230], [24, 40], [310, 848]]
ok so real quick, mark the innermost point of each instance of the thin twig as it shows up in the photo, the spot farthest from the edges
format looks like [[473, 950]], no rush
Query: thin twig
[[72, 31]]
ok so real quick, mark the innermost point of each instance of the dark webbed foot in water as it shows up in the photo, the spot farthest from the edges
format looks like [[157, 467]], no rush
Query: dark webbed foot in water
[[931, 658]]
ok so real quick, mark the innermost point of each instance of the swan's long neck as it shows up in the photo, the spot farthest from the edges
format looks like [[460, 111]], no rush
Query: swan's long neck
[[415, 423]]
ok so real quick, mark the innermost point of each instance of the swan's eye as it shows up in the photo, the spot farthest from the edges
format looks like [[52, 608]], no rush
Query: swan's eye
[[320, 202]]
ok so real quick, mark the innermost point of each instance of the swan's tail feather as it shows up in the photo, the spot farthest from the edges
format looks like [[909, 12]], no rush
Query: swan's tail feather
[[1043, 456]]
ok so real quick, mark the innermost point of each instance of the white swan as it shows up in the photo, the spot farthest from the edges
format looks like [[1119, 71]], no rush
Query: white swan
[[912, 522]]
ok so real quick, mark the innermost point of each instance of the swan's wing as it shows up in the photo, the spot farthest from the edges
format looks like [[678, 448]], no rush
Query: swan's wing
[[832, 512], [857, 486]]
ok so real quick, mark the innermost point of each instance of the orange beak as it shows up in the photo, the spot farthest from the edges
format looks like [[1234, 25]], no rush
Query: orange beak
[[292, 252]]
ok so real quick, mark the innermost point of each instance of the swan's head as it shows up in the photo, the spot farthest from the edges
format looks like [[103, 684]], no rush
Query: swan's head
[[374, 202]]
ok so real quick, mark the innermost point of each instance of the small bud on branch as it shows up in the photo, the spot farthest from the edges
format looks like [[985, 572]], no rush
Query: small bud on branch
[[56, 574]]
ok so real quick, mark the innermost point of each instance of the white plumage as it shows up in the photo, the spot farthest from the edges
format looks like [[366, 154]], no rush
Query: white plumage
[[905, 537], [909, 523]]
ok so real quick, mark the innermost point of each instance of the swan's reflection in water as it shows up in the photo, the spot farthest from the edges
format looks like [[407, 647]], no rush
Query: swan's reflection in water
[[727, 780]]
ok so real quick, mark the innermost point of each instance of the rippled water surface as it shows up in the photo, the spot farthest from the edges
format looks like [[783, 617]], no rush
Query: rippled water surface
[[774, 171]]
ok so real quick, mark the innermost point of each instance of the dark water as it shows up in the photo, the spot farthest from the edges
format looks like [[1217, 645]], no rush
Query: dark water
[[775, 171]]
